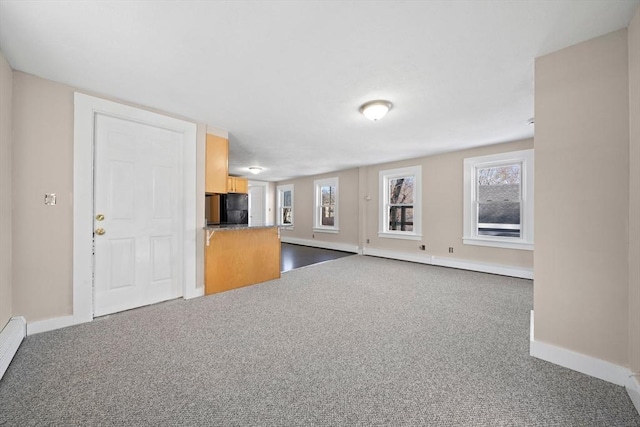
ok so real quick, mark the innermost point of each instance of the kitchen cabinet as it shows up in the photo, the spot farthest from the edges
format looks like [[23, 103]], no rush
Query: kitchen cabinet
[[212, 209], [237, 185], [217, 164]]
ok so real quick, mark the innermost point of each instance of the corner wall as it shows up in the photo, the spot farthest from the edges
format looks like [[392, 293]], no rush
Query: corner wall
[[582, 198], [43, 120], [43, 163], [303, 199], [6, 105], [442, 219], [634, 192]]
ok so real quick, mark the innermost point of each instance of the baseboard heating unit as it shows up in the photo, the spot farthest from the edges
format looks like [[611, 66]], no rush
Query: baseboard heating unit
[[10, 339]]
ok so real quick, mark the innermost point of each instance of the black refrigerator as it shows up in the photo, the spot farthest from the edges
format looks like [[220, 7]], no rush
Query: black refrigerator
[[234, 208]]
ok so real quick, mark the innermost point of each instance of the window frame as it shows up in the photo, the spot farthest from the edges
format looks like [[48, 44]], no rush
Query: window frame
[[384, 177], [470, 227], [317, 205], [281, 189]]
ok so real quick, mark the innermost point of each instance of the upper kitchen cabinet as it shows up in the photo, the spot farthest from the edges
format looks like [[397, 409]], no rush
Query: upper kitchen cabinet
[[237, 185], [217, 164]]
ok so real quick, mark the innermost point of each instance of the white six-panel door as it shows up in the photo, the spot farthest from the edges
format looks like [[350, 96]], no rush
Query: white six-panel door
[[138, 193], [256, 205]]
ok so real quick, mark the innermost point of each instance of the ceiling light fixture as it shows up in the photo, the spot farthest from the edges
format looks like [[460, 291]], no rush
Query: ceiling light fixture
[[375, 110], [255, 170]]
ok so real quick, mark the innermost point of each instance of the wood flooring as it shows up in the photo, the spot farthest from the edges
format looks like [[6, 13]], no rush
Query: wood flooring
[[296, 256]]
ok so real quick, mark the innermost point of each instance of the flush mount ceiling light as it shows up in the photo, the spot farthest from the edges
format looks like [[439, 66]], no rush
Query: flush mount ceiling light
[[255, 170], [375, 110]]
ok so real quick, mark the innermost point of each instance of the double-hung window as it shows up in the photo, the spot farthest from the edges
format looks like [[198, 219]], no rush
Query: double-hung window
[[285, 205], [325, 214], [401, 203], [498, 200]]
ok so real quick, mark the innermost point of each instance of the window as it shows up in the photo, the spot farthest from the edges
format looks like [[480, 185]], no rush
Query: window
[[498, 200], [325, 214], [400, 203], [285, 205]]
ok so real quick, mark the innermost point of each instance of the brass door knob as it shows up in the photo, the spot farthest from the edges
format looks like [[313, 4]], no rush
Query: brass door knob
[[100, 231], [99, 217]]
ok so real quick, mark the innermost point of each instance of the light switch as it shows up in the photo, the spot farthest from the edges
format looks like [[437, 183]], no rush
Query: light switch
[[50, 199]]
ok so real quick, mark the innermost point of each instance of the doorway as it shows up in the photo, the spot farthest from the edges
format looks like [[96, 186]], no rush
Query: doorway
[[257, 203], [89, 111], [138, 215]]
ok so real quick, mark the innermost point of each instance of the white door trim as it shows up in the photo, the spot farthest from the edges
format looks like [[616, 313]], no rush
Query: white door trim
[[85, 109], [265, 198]]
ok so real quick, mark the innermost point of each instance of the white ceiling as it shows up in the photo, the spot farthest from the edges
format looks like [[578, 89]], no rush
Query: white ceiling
[[286, 78]]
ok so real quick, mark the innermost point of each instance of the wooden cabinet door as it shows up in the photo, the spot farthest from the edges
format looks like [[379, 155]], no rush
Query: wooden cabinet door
[[217, 164], [242, 185], [237, 185]]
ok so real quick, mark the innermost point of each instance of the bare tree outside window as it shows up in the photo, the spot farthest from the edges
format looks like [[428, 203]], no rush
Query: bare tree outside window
[[328, 196], [500, 175], [286, 207], [401, 203]]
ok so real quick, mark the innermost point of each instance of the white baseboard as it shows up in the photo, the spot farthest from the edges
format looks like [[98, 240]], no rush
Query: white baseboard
[[503, 270], [195, 293], [424, 258], [345, 247], [633, 390], [579, 362], [50, 324], [11, 337]]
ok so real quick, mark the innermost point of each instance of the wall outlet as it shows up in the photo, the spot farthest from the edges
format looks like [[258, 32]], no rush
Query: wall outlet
[[422, 247], [367, 240], [50, 199], [313, 236], [450, 250]]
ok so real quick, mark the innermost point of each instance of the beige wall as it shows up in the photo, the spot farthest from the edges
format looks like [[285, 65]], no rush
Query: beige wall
[[303, 199], [634, 192], [43, 163], [271, 203], [6, 90], [442, 201], [582, 198]]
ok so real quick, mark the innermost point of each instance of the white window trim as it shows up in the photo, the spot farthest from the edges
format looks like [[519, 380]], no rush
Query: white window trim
[[471, 164], [281, 189], [317, 204], [383, 217]]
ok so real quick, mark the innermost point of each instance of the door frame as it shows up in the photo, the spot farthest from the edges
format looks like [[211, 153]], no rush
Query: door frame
[[85, 109], [265, 192]]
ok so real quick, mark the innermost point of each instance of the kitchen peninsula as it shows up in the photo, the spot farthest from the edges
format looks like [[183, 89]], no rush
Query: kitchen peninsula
[[236, 254], [240, 255]]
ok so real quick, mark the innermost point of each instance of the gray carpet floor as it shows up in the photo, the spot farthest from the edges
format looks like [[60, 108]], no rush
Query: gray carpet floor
[[358, 341]]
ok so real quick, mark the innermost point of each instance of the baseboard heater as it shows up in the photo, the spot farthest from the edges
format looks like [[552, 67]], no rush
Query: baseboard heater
[[10, 339]]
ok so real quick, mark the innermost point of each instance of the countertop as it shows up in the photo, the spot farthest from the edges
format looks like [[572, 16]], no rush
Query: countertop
[[223, 227], [212, 229]]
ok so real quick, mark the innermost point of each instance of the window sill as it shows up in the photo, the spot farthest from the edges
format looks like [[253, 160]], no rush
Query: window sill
[[478, 241], [401, 235], [327, 230], [286, 227]]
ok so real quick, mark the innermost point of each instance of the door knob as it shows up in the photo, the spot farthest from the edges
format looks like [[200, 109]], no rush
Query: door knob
[[99, 217], [100, 231]]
